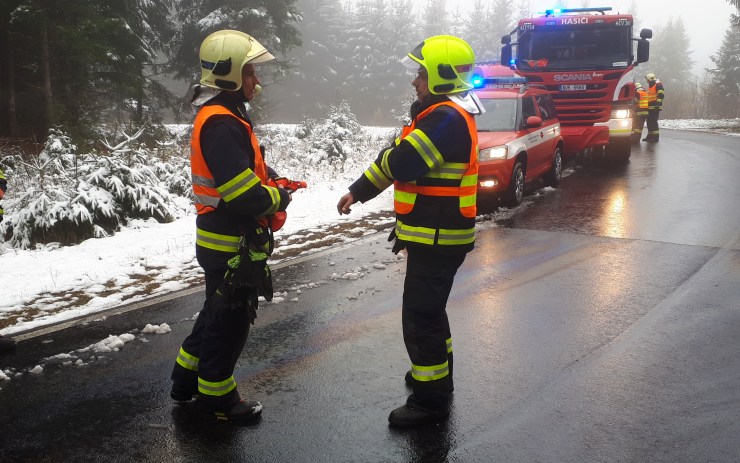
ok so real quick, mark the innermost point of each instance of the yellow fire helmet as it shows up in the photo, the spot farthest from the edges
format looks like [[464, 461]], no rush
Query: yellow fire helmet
[[638, 86], [224, 53], [650, 76], [449, 62]]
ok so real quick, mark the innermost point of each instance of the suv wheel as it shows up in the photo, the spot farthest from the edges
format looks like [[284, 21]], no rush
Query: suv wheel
[[553, 176], [515, 193]]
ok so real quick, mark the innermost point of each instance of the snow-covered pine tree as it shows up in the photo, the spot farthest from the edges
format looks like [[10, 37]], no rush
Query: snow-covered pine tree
[[475, 31], [65, 197], [321, 63], [670, 59], [724, 88]]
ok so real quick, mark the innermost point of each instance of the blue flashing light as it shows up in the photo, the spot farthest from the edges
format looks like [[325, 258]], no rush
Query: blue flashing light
[[512, 62], [477, 81], [557, 11]]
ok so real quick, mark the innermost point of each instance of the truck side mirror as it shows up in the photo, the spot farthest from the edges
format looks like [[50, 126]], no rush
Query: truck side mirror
[[506, 55], [646, 34], [505, 39], [643, 50]]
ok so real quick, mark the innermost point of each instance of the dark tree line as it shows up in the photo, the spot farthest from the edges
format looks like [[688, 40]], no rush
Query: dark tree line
[[83, 64], [79, 64]]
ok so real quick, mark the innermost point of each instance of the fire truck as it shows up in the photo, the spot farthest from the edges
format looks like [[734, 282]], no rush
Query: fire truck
[[586, 57]]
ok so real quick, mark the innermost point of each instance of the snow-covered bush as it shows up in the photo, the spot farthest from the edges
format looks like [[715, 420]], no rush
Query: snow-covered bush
[[62, 196]]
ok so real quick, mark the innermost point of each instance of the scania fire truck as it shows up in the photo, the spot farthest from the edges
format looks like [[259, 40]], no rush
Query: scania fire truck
[[586, 57]]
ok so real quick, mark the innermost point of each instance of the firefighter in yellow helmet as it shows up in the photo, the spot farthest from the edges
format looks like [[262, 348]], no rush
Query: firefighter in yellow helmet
[[433, 167], [641, 111], [232, 195], [656, 94]]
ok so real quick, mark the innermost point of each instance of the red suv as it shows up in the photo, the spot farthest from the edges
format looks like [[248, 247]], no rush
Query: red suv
[[518, 137]]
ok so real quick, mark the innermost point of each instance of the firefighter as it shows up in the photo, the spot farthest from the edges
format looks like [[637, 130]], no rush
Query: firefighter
[[6, 344], [656, 94], [433, 166], [229, 181], [641, 111]]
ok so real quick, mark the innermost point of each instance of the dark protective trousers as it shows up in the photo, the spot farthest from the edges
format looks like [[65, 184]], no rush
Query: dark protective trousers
[[652, 125], [217, 340], [429, 278], [637, 124]]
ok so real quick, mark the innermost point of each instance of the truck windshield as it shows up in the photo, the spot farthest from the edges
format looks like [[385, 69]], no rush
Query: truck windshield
[[574, 48], [500, 115]]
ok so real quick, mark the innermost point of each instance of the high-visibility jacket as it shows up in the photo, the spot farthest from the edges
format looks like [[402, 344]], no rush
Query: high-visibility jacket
[[642, 98], [208, 194], [447, 190], [655, 95]]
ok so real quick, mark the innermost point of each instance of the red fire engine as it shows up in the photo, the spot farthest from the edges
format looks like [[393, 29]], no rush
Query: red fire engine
[[586, 58]]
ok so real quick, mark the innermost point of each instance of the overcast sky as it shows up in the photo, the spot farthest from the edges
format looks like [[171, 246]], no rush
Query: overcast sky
[[706, 21]]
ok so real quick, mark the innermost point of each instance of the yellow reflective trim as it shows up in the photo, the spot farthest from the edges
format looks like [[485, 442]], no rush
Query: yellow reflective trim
[[449, 345], [217, 389], [187, 361], [404, 197], [215, 241], [421, 235], [466, 201], [430, 373], [456, 237], [469, 180], [377, 177], [274, 198], [448, 170], [384, 166], [238, 185], [426, 149]]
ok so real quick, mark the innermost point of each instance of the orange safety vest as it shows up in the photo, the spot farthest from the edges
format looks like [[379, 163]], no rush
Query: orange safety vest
[[207, 196], [652, 92], [642, 102], [468, 185]]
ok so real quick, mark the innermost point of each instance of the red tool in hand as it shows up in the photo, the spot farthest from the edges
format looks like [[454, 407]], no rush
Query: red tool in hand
[[276, 221], [289, 185]]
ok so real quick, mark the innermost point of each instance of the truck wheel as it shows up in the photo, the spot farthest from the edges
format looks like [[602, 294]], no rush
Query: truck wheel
[[515, 193], [619, 150], [553, 176]]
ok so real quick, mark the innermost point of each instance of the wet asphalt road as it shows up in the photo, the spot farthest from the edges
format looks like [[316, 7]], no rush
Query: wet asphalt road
[[599, 323]]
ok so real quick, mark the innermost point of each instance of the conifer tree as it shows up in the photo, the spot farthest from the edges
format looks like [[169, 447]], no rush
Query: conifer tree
[[670, 60], [724, 90]]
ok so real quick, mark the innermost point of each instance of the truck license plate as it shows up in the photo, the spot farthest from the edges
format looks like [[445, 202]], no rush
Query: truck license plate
[[572, 87]]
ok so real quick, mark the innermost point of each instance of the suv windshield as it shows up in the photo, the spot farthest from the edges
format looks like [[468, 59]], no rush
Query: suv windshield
[[500, 115], [573, 49]]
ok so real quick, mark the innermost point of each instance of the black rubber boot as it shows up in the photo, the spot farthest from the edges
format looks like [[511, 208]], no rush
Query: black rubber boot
[[7, 345], [413, 414], [241, 412], [182, 394]]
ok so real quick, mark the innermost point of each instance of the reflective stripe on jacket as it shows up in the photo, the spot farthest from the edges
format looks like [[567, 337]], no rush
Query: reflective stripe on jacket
[[207, 193]]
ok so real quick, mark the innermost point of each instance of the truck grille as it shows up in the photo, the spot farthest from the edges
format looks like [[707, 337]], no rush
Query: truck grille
[[578, 108]]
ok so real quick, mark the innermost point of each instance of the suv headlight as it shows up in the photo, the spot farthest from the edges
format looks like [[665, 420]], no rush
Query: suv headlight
[[496, 152], [621, 113]]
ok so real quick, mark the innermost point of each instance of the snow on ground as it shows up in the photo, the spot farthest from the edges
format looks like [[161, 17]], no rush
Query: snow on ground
[[49, 285]]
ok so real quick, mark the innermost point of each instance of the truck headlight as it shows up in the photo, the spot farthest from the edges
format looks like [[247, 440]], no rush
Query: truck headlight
[[496, 152], [621, 113]]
